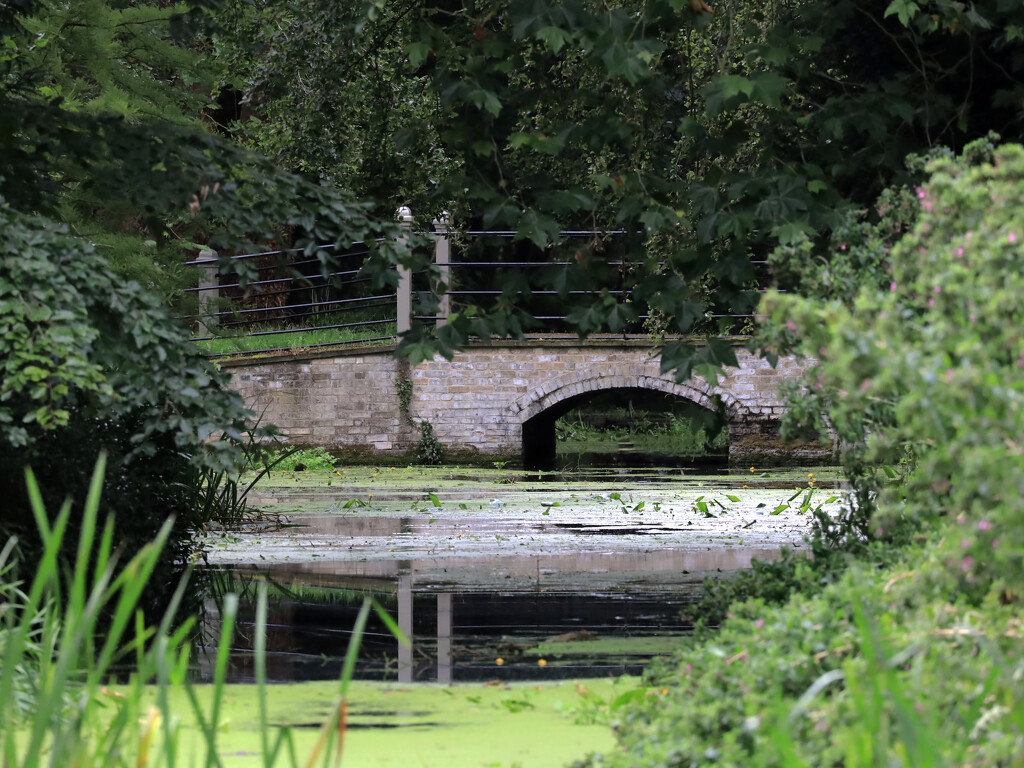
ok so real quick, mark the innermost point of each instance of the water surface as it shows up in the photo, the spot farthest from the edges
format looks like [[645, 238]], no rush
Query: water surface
[[497, 574]]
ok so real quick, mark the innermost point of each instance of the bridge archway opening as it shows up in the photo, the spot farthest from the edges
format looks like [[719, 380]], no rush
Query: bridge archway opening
[[625, 426]]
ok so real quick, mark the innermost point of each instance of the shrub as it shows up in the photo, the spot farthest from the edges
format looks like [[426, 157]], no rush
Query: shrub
[[908, 656], [90, 363], [428, 449]]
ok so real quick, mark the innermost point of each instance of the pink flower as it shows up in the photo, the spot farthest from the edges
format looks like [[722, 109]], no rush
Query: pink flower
[[960, 252], [892, 286], [791, 325], [759, 624], [984, 525], [938, 289], [1012, 238], [965, 543], [966, 563]]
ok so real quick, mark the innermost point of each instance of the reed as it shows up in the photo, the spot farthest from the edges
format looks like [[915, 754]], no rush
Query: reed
[[72, 630]]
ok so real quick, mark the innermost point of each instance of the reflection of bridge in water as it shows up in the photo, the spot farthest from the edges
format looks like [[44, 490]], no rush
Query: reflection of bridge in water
[[462, 613]]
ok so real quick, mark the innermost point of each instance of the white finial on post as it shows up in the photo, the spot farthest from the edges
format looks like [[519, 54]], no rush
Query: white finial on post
[[404, 295], [442, 258]]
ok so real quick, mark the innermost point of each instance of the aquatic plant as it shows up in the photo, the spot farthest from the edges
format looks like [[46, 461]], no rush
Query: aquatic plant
[[428, 449]]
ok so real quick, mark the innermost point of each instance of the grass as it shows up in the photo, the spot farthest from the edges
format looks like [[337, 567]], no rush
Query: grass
[[288, 459], [649, 432], [234, 344]]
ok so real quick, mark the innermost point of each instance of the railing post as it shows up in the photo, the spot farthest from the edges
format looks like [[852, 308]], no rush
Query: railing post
[[404, 296], [442, 258], [207, 293]]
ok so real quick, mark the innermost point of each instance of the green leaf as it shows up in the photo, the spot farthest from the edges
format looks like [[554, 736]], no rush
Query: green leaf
[[554, 37], [769, 87], [905, 10], [792, 232], [735, 85], [417, 52]]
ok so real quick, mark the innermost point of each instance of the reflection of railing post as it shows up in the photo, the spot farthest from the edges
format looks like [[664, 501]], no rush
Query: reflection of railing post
[[405, 624], [442, 257], [444, 638], [207, 292], [404, 277]]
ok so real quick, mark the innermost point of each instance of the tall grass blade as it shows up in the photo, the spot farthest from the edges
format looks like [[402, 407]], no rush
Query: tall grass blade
[[76, 590], [261, 670]]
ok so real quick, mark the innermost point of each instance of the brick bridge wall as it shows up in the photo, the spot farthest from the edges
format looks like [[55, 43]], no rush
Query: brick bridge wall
[[479, 402]]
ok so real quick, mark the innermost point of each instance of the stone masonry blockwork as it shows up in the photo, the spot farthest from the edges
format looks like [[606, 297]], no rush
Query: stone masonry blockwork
[[348, 401]]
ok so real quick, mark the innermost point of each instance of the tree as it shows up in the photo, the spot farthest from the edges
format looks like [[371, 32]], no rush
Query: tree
[[709, 140], [91, 361]]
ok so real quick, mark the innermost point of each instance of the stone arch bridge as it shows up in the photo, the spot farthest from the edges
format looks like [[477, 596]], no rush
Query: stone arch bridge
[[498, 400]]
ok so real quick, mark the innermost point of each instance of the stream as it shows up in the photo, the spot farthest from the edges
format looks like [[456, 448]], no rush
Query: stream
[[497, 574]]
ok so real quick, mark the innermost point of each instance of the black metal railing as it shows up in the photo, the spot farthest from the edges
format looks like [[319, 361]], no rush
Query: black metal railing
[[286, 301]]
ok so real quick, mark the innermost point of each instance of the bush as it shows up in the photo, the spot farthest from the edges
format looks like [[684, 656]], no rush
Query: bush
[[910, 655], [930, 368], [90, 363], [428, 448]]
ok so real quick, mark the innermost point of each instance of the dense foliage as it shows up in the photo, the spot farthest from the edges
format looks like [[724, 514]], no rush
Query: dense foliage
[[912, 656], [708, 139], [766, 131], [100, 122]]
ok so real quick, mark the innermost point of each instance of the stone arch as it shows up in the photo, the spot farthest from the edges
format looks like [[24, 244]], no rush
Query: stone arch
[[536, 411], [553, 392]]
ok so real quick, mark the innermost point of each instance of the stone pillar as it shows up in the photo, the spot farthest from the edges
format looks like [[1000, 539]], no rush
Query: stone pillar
[[207, 291], [404, 296], [442, 258]]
